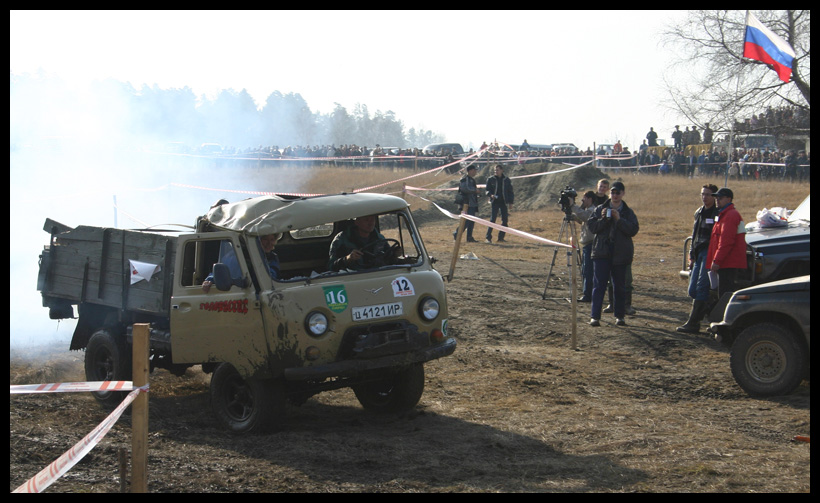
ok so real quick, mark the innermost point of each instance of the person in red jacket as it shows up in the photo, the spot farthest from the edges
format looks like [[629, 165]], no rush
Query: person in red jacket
[[727, 246]]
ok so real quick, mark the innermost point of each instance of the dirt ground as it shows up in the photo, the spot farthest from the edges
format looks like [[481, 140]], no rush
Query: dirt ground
[[639, 408]]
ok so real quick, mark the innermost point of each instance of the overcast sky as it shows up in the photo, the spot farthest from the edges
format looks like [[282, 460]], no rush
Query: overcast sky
[[473, 76]]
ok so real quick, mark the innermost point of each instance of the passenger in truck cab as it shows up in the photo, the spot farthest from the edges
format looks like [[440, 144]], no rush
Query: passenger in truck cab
[[227, 256]]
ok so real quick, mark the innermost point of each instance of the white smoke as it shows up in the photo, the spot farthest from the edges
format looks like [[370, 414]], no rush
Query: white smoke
[[68, 162]]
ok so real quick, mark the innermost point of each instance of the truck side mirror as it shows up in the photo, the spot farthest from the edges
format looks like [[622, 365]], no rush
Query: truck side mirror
[[222, 277]]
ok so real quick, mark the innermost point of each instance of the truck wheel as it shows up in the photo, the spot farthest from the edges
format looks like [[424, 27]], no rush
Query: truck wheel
[[767, 360], [246, 405], [396, 393], [107, 358]]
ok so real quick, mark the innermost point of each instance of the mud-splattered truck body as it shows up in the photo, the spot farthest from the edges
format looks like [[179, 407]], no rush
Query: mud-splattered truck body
[[266, 340]]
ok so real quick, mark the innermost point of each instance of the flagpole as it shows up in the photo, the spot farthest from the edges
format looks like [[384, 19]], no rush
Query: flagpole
[[732, 119]]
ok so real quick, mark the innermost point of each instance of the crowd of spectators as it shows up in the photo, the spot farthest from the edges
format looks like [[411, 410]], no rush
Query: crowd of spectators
[[776, 120], [693, 153], [745, 164]]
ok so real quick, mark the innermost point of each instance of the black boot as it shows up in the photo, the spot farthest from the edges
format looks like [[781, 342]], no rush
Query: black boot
[[629, 309], [692, 326]]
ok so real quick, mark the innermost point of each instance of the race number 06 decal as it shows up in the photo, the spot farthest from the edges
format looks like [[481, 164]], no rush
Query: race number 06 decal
[[402, 287], [335, 298]]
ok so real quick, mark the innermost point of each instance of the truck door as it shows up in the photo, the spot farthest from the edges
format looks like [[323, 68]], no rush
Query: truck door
[[216, 326]]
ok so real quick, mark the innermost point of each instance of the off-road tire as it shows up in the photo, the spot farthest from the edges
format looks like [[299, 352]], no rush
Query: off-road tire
[[768, 360], [108, 358], [247, 405], [396, 393]]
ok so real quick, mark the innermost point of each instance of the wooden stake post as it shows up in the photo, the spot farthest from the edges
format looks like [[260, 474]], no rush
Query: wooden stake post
[[139, 410], [462, 223], [573, 294]]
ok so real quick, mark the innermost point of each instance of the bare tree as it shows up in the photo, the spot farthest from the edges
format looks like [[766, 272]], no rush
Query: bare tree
[[712, 82]]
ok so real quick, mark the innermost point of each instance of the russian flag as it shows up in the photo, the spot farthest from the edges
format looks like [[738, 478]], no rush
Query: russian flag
[[762, 44]]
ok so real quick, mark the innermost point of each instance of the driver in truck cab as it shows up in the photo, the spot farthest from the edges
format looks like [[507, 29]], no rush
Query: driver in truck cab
[[360, 246]]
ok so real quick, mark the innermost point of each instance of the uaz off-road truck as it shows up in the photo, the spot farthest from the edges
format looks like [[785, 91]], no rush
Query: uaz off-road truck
[[265, 341]]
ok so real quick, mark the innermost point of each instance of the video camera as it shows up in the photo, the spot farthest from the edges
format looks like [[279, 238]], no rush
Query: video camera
[[566, 199]]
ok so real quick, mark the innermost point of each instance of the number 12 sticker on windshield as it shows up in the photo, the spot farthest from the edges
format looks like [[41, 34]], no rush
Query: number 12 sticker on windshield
[[402, 287]]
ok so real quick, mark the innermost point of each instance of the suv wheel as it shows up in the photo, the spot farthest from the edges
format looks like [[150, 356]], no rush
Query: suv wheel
[[767, 360], [107, 358], [246, 405]]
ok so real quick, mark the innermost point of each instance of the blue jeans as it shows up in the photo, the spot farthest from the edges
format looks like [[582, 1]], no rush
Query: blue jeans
[[496, 207], [699, 277], [604, 271], [587, 271]]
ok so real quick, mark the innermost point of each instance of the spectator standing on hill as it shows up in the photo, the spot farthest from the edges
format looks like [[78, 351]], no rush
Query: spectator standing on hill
[[698, 272], [727, 244], [707, 134], [695, 135], [652, 138], [613, 224], [677, 136], [500, 191]]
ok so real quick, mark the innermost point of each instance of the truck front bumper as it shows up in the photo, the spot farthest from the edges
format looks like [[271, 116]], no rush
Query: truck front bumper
[[353, 367]]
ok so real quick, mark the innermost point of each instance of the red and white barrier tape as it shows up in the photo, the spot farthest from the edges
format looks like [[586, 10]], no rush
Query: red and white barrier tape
[[438, 168], [68, 387], [508, 230], [68, 459]]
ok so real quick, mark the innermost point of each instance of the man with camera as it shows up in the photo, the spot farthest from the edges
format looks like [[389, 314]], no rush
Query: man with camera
[[613, 225], [500, 191]]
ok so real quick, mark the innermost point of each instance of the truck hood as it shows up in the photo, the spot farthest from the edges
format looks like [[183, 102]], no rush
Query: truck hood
[[794, 232], [801, 283], [273, 214]]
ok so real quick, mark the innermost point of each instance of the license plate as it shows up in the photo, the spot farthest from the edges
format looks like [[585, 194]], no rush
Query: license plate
[[379, 311]]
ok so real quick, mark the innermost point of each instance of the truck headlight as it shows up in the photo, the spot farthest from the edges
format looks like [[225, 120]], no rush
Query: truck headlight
[[316, 323], [429, 308]]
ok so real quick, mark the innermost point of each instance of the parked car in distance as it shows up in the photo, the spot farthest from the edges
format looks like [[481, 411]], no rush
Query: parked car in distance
[[210, 149], [768, 329], [443, 149], [568, 147], [382, 151]]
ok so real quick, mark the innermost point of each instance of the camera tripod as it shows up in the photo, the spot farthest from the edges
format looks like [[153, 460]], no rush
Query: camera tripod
[[568, 227]]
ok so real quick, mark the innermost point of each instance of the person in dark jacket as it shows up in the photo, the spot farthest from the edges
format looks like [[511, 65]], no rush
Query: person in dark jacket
[[500, 191], [613, 224], [698, 272], [468, 189]]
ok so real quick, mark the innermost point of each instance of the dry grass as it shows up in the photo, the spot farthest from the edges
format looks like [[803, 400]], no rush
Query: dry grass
[[515, 409]]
